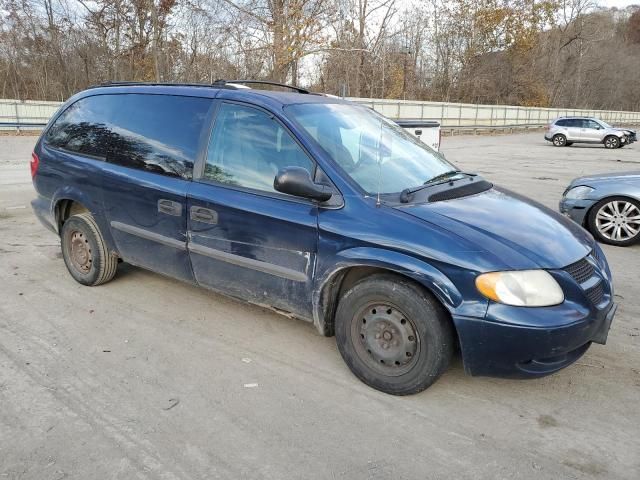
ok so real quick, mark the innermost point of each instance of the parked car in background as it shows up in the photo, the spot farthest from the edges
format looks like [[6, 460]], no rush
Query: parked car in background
[[566, 131], [427, 131], [608, 205], [326, 211]]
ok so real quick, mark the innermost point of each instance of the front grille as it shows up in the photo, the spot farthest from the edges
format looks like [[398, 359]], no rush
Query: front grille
[[581, 271], [598, 257], [595, 294]]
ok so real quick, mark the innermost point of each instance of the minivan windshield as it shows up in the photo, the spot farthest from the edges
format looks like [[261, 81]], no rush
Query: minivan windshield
[[374, 151]]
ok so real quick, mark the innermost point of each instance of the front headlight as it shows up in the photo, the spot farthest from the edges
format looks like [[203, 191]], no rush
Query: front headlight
[[578, 193], [521, 288]]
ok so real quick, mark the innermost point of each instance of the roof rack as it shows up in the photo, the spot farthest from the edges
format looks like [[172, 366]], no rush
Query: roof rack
[[230, 84], [165, 84], [224, 83]]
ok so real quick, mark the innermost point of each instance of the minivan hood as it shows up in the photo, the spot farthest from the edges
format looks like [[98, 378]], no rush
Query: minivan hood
[[518, 232]]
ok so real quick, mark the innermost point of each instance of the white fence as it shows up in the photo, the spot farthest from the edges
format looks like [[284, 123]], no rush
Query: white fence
[[470, 115], [34, 114], [26, 114]]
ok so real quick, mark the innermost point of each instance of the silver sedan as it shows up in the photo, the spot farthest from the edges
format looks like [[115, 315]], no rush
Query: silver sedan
[[608, 205]]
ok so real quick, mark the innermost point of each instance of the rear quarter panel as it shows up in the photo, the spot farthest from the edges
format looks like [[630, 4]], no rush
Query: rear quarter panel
[[65, 176]]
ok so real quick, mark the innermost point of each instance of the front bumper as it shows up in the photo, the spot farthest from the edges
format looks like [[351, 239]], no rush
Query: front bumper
[[576, 210], [511, 350]]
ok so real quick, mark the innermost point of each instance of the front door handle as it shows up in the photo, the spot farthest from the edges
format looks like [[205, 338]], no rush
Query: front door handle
[[204, 215], [169, 207]]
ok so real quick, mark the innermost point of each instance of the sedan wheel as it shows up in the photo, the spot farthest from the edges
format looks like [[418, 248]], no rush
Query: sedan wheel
[[616, 221]]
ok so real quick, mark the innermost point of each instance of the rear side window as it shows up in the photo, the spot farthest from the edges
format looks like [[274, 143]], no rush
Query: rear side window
[[156, 133], [247, 148], [83, 128], [562, 123]]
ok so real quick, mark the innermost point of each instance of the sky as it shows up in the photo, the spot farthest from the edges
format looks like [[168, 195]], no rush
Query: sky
[[618, 3]]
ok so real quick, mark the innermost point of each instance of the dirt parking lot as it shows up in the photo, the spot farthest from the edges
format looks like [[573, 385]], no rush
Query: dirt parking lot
[[150, 378]]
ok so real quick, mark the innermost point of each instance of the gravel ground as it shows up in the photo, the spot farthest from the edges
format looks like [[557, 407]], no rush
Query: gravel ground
[[146, 377]]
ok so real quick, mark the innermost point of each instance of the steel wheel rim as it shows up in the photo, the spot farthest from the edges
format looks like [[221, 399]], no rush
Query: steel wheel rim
[[618, 220], [80, 253], [385, 339], [558, 140], [611, 142]]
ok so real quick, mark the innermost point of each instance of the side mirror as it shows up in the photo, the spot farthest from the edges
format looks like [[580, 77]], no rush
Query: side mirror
[[297, 181]]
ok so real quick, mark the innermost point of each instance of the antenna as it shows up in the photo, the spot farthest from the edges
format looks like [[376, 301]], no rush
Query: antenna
[[379, 181]]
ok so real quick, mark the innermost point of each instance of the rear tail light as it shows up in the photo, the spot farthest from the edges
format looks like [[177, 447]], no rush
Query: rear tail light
[[34, 164]]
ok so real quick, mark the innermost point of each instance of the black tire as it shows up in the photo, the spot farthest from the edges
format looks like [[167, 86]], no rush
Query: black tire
[[402, 308], [568, 144], [611, 142], [596, 224], [84, 251], [559, 140]]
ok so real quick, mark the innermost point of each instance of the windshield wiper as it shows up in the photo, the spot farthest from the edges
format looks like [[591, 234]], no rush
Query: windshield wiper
[[404, 195], [407, 192]]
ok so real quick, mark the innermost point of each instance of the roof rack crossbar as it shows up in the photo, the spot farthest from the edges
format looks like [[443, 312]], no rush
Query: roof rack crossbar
[[261, 82]]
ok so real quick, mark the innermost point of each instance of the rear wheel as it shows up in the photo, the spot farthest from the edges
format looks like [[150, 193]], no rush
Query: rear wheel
[[84, 251], [611, 142], [616, 221], [393, 335], [559, 140]]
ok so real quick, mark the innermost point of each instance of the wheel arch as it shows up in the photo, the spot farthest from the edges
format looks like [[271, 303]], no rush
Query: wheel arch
[[69, 201], [612, 135], [66, 207], [360, 263]]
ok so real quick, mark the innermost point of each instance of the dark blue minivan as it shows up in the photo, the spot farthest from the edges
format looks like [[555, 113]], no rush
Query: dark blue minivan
[[328, 212]]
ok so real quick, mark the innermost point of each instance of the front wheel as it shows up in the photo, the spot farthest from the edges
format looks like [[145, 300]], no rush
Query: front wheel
[[85, 252], [616, 221], [611, 142], [393, 335]]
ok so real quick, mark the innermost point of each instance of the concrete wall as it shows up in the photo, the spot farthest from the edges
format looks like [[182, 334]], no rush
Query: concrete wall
[[449, 114]]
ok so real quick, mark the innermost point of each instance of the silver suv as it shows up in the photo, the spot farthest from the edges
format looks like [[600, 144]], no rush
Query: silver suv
[[565, 131]]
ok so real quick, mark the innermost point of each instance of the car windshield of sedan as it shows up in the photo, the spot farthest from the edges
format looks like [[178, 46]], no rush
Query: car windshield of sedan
[[374, 151]]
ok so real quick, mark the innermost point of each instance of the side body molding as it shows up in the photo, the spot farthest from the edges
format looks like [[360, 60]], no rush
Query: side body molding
[[149, 235]]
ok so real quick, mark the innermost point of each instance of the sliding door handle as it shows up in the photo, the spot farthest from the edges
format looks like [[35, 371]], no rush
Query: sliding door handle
[[204, 215], [169, 207]]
